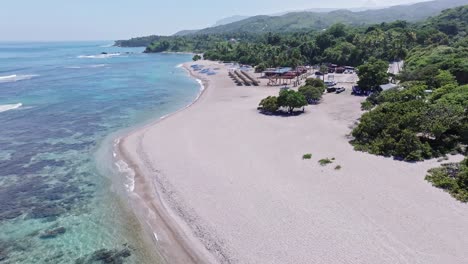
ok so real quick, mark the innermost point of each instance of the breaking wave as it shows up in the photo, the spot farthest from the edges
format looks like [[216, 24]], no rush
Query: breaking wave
[[100, 56], [7, 107], [87, 66], [15, 78]]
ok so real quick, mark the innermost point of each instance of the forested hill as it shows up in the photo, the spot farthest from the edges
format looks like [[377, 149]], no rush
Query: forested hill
[[304, 21], [309, 21]]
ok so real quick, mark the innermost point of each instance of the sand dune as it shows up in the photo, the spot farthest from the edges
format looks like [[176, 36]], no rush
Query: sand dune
[[220, 183]]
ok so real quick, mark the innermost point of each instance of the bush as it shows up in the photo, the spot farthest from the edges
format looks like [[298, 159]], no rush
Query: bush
[[291, 100], [453, 178], [307, 156], [338, 167], [196, 57], [269, 104], [312, 94], [314, 82], [324, 162], [261, 67]]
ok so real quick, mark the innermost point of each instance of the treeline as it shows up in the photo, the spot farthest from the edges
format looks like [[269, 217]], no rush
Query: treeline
[[443, 37], [428, 115], [420, 121]]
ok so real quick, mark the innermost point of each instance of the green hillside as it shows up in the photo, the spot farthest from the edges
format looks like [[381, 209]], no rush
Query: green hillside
[[312, 21], [305, 21]]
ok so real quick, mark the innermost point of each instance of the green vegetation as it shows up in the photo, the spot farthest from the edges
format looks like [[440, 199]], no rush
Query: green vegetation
[[307, 21], [311, 94], [291, 99], [269, 104], [428, 115], [313, 90], [307, 156], [197, 57], [417, 125], [288, 99], [453, 178], [325, 162], [440, 41], [372, 74]]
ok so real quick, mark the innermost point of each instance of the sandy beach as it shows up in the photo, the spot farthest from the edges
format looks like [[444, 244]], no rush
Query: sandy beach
[[218, 182]]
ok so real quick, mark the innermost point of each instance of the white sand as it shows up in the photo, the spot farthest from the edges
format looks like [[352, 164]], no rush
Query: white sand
[[233, 188]]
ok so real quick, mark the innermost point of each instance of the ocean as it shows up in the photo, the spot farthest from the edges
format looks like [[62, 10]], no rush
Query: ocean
[[62, 198]]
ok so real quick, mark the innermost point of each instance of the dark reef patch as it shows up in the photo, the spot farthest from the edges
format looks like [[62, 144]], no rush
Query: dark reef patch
[[52, 233], [113, 256]]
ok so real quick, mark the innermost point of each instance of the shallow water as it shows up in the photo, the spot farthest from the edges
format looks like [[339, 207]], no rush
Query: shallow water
[[62, 103]]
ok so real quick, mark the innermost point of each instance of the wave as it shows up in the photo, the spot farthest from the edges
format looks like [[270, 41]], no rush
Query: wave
[[100, 56], [87, 67], [7, 107], [123, 168], [15, 78]]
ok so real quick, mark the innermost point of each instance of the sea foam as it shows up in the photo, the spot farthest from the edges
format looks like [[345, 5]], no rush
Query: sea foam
[[7, 107], [87, 66], [123, 168], [100, 56], [15, 78]]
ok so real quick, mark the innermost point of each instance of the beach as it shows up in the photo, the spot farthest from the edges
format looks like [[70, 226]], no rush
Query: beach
[[218, 182]]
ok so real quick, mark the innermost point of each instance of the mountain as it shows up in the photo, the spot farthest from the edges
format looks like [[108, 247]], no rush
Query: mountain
[[229, 20], [307, 21], [222, 22], [186, 32], [303, 21]]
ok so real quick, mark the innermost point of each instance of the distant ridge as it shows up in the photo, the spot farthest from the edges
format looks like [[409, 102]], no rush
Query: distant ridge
[[222, 22], [308, 21], [302, 21]]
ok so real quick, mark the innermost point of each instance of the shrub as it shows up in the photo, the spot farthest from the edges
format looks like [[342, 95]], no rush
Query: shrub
[[338, 167], [312, 94], [324, 162], [269, 104], [453, 178], [196, 57], [314, 82], [291, 100], [307, 156]]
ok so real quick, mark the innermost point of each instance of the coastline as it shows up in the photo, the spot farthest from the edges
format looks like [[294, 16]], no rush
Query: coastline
[[205, 204], [178, 247]]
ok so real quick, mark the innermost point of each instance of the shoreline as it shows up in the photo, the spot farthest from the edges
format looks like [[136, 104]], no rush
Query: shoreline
[[180, 249], [212, 187]]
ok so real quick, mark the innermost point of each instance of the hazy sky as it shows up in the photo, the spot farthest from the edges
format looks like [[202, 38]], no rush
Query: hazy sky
[[121, 19]]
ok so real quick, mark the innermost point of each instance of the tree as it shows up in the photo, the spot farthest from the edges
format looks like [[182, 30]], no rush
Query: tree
[[269, 104], [314, 82], [261, 67], [323, 70], [196, 57], [312, 94], [291, 100], [444, 78], [372, 74]]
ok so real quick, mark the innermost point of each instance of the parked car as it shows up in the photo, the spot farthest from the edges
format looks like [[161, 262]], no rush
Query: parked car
[[330, 83], [340, 90], [318, 73], [331, 89], [358, 91]]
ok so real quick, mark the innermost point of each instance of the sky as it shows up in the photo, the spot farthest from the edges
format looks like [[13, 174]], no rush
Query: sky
[[65, 20]]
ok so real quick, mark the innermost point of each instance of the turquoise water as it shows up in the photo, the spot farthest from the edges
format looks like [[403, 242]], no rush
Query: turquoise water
[[60, 106]]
